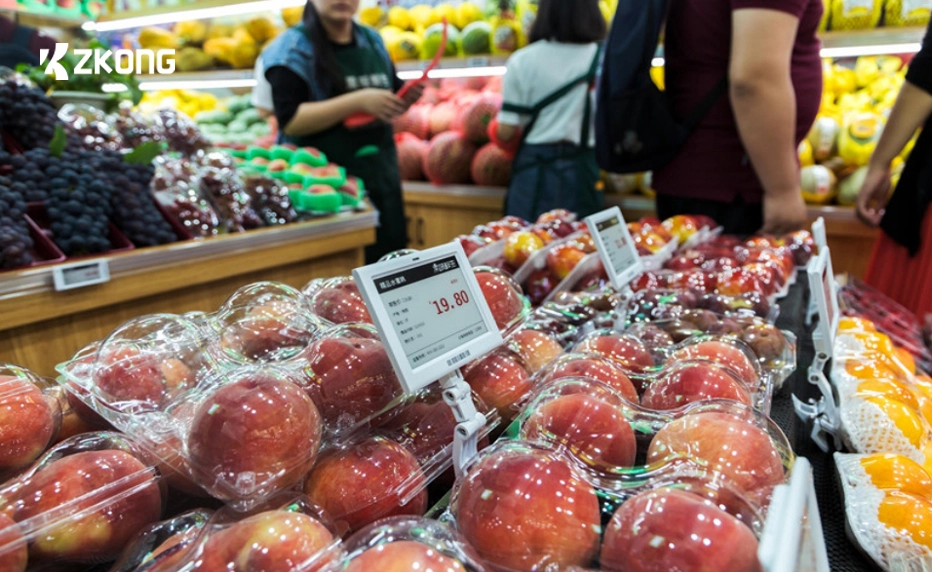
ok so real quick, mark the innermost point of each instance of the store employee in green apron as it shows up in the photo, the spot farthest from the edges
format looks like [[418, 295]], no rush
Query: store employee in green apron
[[326, 70], [548, 110]]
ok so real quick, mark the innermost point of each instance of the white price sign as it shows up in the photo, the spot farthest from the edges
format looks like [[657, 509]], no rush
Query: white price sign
[[430, 312], [69, 276], [616, 248], [823, 290]]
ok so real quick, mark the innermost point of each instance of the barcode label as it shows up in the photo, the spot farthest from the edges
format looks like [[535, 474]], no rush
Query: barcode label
[[458, 358]]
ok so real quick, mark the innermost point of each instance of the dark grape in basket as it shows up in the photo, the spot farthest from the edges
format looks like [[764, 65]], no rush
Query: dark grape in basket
[[226, 191], [182, 133], [134, 210], [27, 114], [270, 200], [15, 242], [78, 206]]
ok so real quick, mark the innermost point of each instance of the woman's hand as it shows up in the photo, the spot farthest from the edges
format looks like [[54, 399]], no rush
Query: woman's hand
[[381, 103], [783, 213], [872, 197], [414, 94]]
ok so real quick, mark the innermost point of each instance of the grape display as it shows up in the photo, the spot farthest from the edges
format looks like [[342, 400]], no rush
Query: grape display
[[270, 199], [27, 114], [226, 191], [15, 242], [78, 203]]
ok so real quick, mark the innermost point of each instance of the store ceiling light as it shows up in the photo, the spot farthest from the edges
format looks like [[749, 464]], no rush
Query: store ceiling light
[[198, 14], [455, 72], [877, 50], [196, 84]]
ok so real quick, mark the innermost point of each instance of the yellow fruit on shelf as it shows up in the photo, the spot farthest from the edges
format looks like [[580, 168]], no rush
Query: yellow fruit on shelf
[[844, 80], [466, 13], [191, 31], [192, 59], [241, 35], [818, 184], [404, 46], [400, 18], [244, 55], [157, 39], [292, 15], [804, 151], [899, 390], [897, 472], [373, 16], [656, 74], [421, 15], [262, 29], [859, 135], [389, 32], [909, 514], [905, 418], [823, 137], [507, 35], [219, 31], [856, 14], [855, 323], [906, 13], [441, 11], [866, 70], [220, 49]]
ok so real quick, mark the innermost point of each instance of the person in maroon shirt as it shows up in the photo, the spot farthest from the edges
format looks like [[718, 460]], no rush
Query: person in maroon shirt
[[740, 165], [21, 44]]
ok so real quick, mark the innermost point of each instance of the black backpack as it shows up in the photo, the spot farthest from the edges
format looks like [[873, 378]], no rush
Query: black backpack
[[635, 128], [16, 51]]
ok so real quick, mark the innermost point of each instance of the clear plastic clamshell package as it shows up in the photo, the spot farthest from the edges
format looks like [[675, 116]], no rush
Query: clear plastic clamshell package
[[286, 533], [337, 300], [80, 503], [503, 294], [888, 504], [666, 303], [406, 543], [30, 417]]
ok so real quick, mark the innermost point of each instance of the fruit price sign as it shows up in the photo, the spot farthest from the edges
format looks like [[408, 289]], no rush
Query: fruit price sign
[[616, 249], [430, 312], [69, 276]]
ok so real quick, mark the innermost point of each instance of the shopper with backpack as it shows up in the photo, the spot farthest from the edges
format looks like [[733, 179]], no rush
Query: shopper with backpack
[[548, 109], [744, 84]]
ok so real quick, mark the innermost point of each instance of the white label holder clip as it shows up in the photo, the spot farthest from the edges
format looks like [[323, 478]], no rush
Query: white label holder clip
[[823, 412], [616, 249], [821, 240], [433, 318]]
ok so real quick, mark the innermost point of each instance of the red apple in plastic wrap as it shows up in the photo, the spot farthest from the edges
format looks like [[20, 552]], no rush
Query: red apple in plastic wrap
[[126, 373], [471, 243], [110, 496], [366, 481], [563, 258], [737, 281], [272, 541], [539, 285], [505, 302], [627, 351], [766, 340], [768, 275], [598, 369], [403, 556], [13, 552], [723, 353], [686, 260], [725, 443], [525, 510], [340, 302], [682, 227], [350, 379], [556, 214], [689, 382], [535, 348], [520, 246], [259, 429], [669, 529], [27, 423], [594, 430], [500, 380]]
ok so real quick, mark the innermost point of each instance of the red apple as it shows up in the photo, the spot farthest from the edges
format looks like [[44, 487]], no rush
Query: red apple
[[769, 277], [127, 373], [350, 379], [276, 166], [272, 541], [539, 285], [522, 509], [594, 430], [767, 342], [726, 443], [13, 551], [520, 245], [340, 302], [683, 227], [403, 556], [669, 529], [28, 423], [595, 280], [535, 348], [320, 189], [101, 499], [686, 260], [259, 161], [689, 382], [256, 435], [366, 481], [265, 332], [516, 221], [504, 300], [723, 353], [736, 282], [471, 243], [627, 351], [499, 380], [598, 369], [563, 258], [556, 214], [648, 241]]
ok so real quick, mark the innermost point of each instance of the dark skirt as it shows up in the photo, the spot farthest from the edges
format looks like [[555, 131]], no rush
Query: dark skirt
[[553, 176]]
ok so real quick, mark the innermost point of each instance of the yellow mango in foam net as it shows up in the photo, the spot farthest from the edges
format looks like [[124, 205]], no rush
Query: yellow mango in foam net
[[855, 324], [908, 514], [888, 471], [906, 393]]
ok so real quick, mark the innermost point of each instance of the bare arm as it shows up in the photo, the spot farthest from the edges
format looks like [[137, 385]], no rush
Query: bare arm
[[913, 106], [764, 103], [316, 116]]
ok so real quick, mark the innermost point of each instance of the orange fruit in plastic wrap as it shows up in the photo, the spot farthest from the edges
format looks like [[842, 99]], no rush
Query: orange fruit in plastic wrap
[[897, 472], [906, 358], [855, 323], [908, 514], [924, 383], [875, 366], [904, 417], [881, 343], [900, 391]]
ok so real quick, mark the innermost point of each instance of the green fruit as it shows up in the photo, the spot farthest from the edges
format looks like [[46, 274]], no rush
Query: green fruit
[[849, 188], [432, 37], [477, 38]]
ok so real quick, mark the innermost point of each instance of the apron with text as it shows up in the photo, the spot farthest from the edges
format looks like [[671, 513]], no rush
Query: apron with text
[[368, 152], [557, 175]]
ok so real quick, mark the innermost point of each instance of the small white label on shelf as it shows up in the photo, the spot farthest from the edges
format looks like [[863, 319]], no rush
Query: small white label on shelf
[[616, 248], [818, 233], [430, 312], [823, 290], [477, 62], [80, 274]]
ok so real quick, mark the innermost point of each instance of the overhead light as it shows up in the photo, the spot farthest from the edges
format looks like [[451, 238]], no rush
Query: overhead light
[[455, 72], [657, 62], [198, 14], [113, 88], [877, 50], [196, 84]]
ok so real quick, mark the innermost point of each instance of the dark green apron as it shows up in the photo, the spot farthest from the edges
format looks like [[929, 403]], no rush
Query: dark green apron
[[559, 175], [368, 152]]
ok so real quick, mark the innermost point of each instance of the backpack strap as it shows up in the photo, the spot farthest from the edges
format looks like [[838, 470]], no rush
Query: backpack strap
[[705, 105]]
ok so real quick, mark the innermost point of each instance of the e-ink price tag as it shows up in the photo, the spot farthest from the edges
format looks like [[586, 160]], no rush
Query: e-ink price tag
[[430, 312], [823, 290], [69, 276], [616, 248]]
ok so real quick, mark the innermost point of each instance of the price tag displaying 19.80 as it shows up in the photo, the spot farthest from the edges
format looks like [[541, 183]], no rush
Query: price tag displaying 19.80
[[429, 310]]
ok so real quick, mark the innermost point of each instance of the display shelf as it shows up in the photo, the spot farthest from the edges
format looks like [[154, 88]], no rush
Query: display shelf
[[199, 10], [207, 79], [40, 326], [24, 16]]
